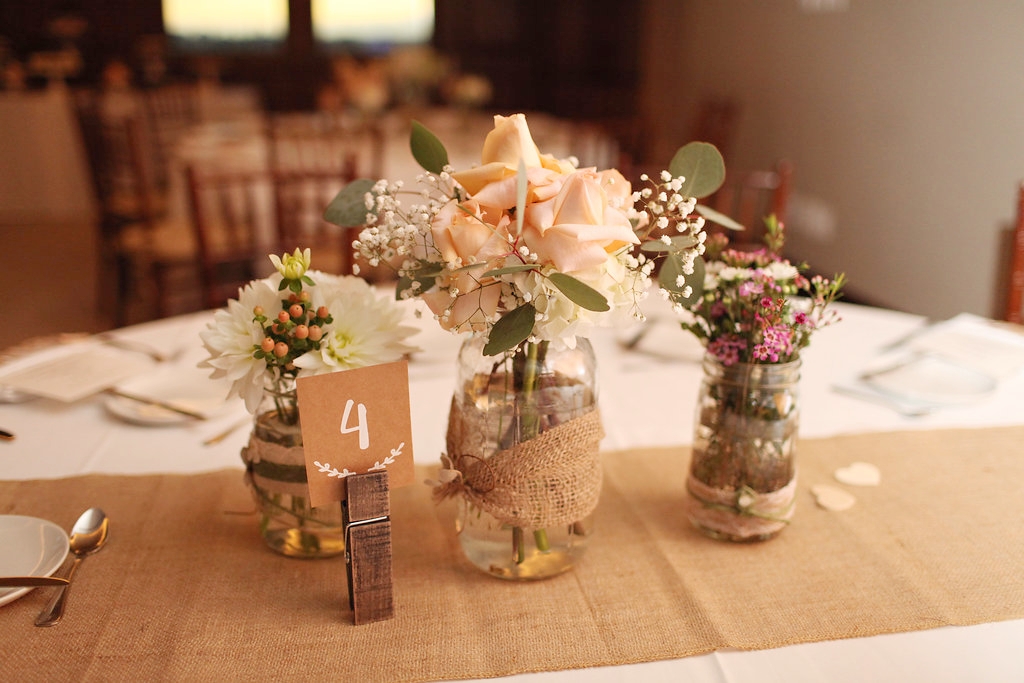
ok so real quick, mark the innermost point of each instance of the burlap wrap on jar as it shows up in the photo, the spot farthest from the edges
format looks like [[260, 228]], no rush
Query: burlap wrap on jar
[[551, 480]]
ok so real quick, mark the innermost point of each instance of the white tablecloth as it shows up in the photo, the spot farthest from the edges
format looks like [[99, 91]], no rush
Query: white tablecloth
[[646, 400]]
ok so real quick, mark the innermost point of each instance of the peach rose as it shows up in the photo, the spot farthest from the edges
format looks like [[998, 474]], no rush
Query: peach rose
[[541, 184], [504, 146], [579, 227], [469, 233], [471, 308]]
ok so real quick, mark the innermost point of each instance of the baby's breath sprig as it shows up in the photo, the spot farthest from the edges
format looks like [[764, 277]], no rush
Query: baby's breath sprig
[[668, 211], [675, 219]]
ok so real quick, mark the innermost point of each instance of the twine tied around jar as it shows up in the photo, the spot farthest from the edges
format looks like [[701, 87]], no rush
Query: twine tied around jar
[[273, 468], [742, 512], [551, 480]]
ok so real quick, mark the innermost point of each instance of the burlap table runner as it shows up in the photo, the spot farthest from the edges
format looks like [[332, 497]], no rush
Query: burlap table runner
[[186, 590]]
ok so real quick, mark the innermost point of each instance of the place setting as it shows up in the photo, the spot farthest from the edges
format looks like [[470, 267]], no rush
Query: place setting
[[955, 363], [37, 548], [33, 549]]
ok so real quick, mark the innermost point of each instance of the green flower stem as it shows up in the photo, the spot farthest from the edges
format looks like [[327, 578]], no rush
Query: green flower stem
[[530, 421], [530, 417], [285, 400]]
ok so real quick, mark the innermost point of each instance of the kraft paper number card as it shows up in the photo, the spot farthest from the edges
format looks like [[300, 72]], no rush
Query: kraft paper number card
[[354, 422]]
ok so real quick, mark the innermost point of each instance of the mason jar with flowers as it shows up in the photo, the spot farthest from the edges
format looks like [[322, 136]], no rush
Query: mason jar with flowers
[[525, 253], [754, 311], [296, 323]]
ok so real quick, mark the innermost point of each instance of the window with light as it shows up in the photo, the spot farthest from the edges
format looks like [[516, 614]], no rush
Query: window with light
[[219, 25], [372, 26]]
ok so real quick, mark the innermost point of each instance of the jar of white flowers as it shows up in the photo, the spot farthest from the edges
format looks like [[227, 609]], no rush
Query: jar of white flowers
[[295, 323]]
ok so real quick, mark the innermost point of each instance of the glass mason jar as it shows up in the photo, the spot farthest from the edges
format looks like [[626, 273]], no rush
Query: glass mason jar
[[276, 473], [523, 438], [742, 480]]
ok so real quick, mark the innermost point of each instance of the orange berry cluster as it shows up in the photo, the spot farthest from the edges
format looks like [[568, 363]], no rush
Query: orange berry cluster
[[295, 330]]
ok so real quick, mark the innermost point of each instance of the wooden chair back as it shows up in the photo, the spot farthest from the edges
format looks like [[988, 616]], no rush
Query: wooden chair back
[[748, 197], [300, 199], [1014, 311], [234, 223], [312, 158], [717, 121], [121, 161], [171, 110], [125, 184], [326, 143]]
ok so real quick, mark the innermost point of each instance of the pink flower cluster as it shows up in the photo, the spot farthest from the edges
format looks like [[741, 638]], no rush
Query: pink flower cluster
[[756, 306]]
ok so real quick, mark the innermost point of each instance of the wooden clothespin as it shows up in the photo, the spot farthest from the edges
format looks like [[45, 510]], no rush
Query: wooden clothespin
[[366, 518]]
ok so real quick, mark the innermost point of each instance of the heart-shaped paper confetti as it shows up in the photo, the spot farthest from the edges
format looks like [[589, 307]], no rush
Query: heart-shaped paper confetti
[[859, 474], [832, 498]]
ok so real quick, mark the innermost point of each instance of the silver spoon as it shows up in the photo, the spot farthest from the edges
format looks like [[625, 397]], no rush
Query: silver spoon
[[87, 536]]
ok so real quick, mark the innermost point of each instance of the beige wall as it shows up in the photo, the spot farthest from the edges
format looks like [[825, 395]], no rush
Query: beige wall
[[905, 121]]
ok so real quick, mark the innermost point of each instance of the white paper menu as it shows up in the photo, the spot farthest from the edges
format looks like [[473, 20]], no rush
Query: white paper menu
[[72, 372]]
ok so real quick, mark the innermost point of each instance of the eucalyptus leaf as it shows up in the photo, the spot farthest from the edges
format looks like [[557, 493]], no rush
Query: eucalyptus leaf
[[581, 294], [718, 217], [671, 269], [429, 269], [511, 330], [702, 168], [518, 268], [348, 208], [466, 268], [678, 243], [427, 149]]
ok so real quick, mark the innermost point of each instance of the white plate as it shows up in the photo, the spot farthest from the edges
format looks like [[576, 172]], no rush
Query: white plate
[[184, 387], [32, 547], [932, 379]]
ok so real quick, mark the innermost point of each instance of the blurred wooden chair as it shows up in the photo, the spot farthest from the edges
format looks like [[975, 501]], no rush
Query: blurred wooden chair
[[1014, 311], [748, 197], [717, 121], [312, 157], [241, 211], [239, 217], [234, 227], [300, 199], [325, 142], [125, 183], [121, 160], [231, 229], [170, 110]]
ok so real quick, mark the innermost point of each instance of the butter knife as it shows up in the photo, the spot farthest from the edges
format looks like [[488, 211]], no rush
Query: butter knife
[[24, 581]]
